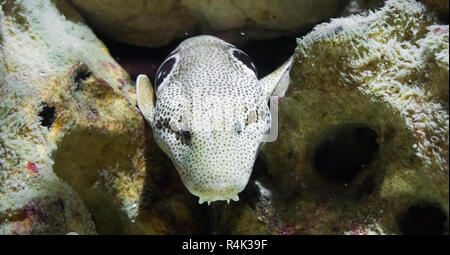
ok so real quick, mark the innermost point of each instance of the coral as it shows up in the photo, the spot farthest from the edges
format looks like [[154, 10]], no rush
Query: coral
[[363, 132], [74, 151], [156, 23]]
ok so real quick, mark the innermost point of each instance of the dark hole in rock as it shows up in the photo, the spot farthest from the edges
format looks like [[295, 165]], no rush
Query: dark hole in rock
[[345, 152], [47, 115], [81, 75], [443, 18], [423, 218]]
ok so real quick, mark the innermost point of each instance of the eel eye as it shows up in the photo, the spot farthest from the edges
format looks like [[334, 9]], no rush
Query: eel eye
[[164, 70], [245, 59], [186, 134]]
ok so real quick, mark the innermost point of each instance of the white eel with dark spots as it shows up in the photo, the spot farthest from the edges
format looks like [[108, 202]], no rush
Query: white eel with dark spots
[[209, 114]]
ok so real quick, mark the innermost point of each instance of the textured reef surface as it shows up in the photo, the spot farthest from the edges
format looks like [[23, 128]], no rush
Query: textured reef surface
[[363, 142]]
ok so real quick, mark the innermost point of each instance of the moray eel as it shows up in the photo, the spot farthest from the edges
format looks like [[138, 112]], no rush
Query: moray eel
[[209, 114]]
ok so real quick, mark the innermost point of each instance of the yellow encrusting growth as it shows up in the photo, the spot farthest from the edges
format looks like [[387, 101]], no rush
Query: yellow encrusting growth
[[56, 78]]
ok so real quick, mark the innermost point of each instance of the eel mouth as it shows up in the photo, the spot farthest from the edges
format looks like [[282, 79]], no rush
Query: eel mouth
[[217, 186], [213, 195], [209, 199]]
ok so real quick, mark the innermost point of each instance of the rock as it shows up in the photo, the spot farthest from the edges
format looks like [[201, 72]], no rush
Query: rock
[[370, 4], [363, 133], [75, 153], [359, 6], [156, 23], [439, 6]]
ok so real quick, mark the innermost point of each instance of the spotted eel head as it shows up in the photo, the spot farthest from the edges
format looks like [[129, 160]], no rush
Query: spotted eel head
[[210, 115]]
